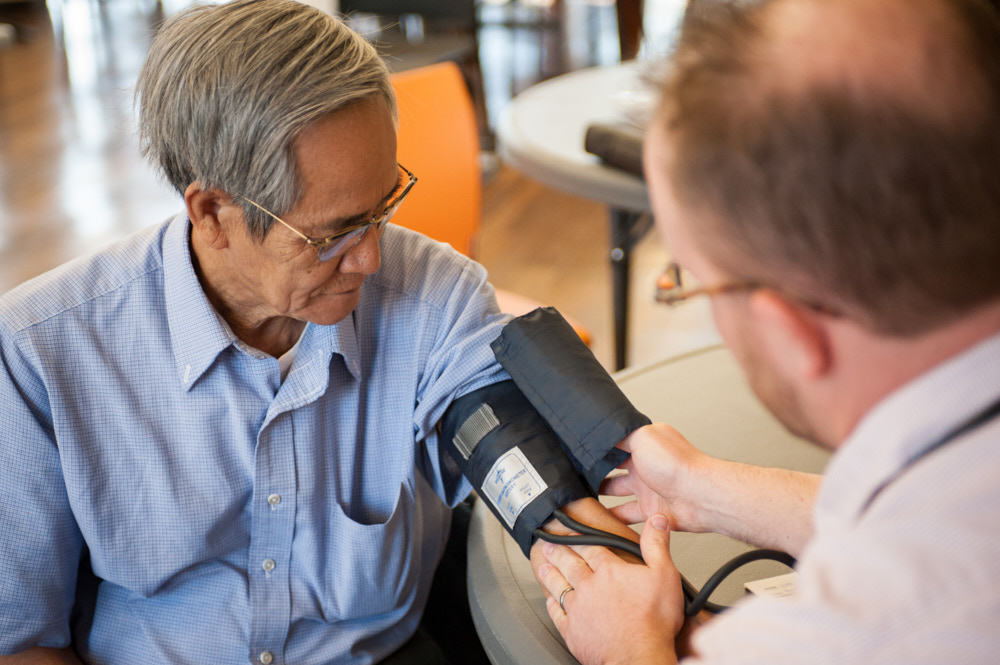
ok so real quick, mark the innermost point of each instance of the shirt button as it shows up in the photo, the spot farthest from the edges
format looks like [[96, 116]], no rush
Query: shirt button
[[268, 566], [274, 500], [266, 657]]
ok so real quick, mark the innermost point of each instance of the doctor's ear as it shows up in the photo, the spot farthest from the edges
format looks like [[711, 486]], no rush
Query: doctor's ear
[[205, 207], [796, 336]]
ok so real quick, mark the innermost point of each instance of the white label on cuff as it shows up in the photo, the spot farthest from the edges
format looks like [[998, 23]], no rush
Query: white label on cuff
[[512, 484], [776, 587]]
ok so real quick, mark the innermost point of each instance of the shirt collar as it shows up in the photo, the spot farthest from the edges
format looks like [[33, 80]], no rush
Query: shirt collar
[[199, 334], [340, 339], [906, 423]]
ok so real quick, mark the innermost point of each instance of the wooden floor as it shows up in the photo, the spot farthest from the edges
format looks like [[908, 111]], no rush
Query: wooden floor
[[71, 179]]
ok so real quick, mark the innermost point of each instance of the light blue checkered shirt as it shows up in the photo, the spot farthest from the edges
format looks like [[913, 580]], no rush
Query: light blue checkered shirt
[[226, 514]]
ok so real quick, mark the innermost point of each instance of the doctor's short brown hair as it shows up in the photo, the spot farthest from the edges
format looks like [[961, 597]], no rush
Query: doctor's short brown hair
[[872, 187]]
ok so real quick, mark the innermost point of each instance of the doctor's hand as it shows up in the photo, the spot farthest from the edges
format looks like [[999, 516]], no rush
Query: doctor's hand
[[665, 474], [766, 507], [613, 611]]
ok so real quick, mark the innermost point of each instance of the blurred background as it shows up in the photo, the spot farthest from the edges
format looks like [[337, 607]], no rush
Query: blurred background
[[71, 179]]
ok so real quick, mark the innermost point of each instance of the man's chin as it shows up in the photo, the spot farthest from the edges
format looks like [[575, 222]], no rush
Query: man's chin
[[330, 309]]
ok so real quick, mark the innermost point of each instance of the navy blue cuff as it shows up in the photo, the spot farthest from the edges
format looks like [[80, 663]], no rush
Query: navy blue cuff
[[570, 389]]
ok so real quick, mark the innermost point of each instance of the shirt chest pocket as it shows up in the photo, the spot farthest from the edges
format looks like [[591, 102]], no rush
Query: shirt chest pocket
[[371, 569]]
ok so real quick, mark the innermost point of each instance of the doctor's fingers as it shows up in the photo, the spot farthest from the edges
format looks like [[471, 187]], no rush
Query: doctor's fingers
[[571, 565], [559, 617], [578, 563], [655, 543], [629, 513], [553, 581], [619, 484]]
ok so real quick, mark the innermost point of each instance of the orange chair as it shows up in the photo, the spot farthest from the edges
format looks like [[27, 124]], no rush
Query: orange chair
[[438, 140]]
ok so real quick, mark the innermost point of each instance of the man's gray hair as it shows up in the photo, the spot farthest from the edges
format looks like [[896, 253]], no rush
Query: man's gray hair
[[226, 89]]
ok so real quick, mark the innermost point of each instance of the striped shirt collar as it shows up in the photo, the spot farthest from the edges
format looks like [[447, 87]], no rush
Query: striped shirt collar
[[907, 422], [199, 334]]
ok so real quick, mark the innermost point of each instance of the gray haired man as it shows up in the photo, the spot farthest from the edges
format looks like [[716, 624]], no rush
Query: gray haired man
[[220, 436]]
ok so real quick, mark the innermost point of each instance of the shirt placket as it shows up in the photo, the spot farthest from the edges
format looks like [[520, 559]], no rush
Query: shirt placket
[[272, 529]]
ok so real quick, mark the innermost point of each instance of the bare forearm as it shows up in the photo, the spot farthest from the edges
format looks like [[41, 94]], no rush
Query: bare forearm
[[41, 656], [766, 507], [763, 506]]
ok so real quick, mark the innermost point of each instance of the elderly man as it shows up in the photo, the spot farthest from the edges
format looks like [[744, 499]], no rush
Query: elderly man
[[827, 171], [220, 435]]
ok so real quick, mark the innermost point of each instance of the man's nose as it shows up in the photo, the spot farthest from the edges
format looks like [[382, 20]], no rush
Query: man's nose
[[365, 257]]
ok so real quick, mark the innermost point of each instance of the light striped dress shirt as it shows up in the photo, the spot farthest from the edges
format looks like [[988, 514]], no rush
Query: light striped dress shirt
[[907, 575], [166, 498]]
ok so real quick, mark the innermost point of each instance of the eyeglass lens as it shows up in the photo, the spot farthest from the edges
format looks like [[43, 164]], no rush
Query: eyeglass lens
[[345, 242]]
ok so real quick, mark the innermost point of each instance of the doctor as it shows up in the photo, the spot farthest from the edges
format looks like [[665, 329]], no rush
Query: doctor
[[826, 173]]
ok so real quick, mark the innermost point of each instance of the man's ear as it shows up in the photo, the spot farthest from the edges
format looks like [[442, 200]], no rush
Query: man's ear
[[795, 335], [203, 207]]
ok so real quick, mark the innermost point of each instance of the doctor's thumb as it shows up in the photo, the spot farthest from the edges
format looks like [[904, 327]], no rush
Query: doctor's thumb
[[655, 541]]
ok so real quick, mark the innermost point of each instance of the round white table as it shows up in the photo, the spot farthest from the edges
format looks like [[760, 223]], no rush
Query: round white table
[[541, 133], [704, 395]]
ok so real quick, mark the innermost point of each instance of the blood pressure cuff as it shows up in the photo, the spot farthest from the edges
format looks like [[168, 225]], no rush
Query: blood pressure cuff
[[512, 457], [571, 390]]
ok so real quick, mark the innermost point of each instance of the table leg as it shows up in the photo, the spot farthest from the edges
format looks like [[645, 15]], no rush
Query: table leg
[[629, 27], [627, 228]]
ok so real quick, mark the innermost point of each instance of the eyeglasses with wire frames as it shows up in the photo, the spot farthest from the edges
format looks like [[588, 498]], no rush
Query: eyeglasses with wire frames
[[342, 241], [671, 291], [670, 288]]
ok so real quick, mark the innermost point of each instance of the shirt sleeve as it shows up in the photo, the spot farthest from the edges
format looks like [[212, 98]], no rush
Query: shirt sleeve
[[40, 543], [903, 587], [459, 362]]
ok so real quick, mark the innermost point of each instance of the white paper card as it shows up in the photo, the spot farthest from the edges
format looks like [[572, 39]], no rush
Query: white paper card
[[512, 484], [776, 587]]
